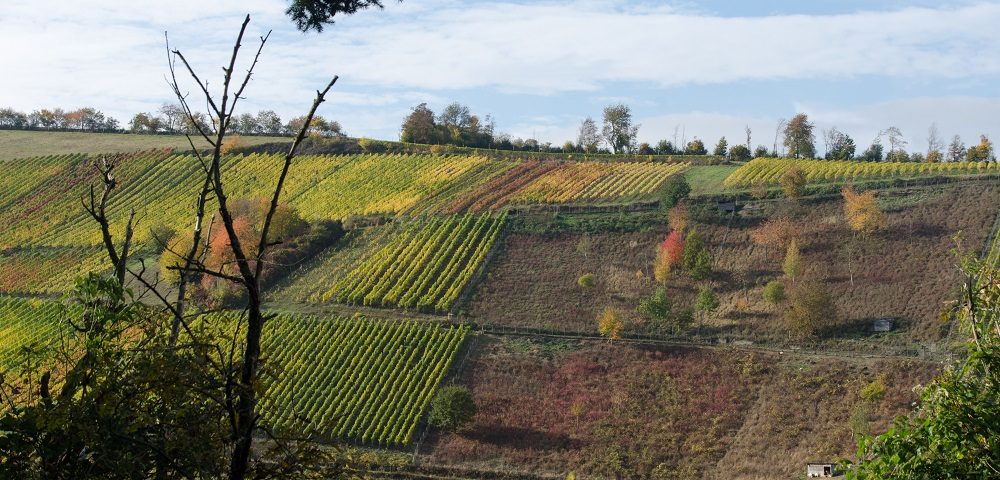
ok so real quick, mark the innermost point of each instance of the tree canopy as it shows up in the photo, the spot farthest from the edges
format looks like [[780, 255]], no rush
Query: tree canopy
[[316, 14]]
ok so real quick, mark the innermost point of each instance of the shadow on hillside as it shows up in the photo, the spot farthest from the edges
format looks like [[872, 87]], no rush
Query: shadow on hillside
[[854, 328], [522, 438]]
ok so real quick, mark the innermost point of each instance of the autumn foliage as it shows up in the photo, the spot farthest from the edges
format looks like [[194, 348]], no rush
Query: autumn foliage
[[793, 182], [862, 211], [610, 324], [669, 253], [678, 218], [777, 232]]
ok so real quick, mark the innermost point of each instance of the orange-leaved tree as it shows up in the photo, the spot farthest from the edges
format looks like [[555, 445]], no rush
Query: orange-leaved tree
[[776, 232], [668, 254], [677, 218]]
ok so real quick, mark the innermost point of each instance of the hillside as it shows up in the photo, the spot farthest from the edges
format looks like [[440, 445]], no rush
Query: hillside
[[24, 143], [903, 274], [422, 270]]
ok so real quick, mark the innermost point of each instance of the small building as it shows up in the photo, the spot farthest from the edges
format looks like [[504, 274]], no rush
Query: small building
[[883, 325], [820, 470], [728, 207]]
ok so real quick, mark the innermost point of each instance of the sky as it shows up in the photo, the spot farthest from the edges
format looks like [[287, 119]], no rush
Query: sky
[[686, 68]]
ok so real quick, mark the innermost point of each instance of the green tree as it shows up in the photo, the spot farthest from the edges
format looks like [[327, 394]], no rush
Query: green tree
[[315, 14], [774, 292], [675, 189], [452, 408], [721, 148], [799, 137], [695, 147], [657, 306], [840, 145], [618, 129], [419, 126], [739, 153], [706, 302], [694, 244], [702, 268]]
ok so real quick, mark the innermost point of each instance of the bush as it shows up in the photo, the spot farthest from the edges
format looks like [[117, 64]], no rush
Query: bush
[[774, 292], [702, 268], [793, 182], [693, 246], [874, 390], [657, 306], [812, 307], [231, 144], [371, 146], [437, 150], [452, 408], [586, 280], [674, 190]]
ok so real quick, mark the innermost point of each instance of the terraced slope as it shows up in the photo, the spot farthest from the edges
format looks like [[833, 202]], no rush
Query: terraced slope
[[769, 170], [355, 379]]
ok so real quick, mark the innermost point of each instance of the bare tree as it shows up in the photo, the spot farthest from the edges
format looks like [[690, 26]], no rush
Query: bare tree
[[780, 127], [747, 130], [934, 144], [589, 138], [97, 209], [896, 141], [240, 394]]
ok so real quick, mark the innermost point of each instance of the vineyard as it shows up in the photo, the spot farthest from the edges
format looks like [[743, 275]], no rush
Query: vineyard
[[769, 170], [27, 323], [425, 267], [47, 270], [356, 379], [574, 182]]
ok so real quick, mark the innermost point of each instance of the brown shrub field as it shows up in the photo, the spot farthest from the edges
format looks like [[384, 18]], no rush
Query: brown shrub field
[[906, 272], [605, 410]]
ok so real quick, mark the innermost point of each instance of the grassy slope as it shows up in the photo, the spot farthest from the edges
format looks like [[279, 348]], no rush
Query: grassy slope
[[906, 272], [707, 179], [550, 407], [21, 144]]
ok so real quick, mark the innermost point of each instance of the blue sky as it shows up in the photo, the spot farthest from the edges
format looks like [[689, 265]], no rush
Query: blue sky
[[704, 68]]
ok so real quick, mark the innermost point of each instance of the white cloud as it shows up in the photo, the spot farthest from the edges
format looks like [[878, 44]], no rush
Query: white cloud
[[111, 55], [553, 46]]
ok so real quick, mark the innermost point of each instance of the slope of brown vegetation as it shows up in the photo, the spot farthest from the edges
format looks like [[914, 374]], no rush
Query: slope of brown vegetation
[[534, 282], [605, 410], [905, 272]]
